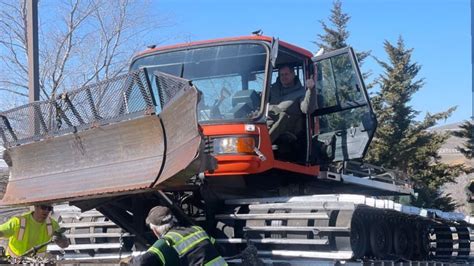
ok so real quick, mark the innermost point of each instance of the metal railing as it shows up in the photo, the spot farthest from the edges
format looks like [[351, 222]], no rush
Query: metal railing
[[373, 172], [120, 98]]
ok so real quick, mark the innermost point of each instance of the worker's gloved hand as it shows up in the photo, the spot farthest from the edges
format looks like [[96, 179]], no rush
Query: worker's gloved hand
[[250, 257], [57, 235], [60, 239]]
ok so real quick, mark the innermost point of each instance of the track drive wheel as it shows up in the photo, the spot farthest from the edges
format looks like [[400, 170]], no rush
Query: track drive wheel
[[359, 240], [403, 242], [380, 239]]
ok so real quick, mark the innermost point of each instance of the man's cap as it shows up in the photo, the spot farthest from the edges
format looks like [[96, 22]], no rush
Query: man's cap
[[159, 215]]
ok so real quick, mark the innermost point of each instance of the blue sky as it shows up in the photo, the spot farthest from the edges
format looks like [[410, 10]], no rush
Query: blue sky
[[438, 30]]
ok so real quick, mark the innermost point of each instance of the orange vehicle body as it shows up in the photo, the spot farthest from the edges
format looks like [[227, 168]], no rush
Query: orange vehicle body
[[251, 164]]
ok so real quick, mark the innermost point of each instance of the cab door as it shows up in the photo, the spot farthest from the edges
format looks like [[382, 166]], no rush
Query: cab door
[[344, 120]]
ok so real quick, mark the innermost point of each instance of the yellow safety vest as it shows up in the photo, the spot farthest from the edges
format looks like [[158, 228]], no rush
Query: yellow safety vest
[[24, 233]]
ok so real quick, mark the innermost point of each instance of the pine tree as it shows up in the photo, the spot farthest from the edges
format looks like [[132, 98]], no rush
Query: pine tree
[[466, 132], [335, 36], [403, 143]]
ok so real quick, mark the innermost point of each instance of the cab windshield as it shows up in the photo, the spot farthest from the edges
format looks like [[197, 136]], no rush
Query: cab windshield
[[231, 77]]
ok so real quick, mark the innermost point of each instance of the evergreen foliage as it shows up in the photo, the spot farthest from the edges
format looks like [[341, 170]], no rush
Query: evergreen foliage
[[335, 38], [401, 142], [336, 34], [467, 133]]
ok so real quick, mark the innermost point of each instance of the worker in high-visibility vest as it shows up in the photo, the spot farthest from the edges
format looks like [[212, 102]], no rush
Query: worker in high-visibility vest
[[32, 229], [177, 245]]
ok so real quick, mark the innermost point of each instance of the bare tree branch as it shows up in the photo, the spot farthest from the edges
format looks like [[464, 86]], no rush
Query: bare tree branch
[[14, 92], [81, 41]]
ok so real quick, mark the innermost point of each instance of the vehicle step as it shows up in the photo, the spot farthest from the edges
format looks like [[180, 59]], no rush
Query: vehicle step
[[272, 216], [338, 255], [87, 224], [98, 258], [282, 241], [305, 199], [81, 215], [86, 246], [296, 229], [94, 235], [305, 206]]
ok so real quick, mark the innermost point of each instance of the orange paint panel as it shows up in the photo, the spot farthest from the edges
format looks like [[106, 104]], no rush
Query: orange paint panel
[[309, 170], [237, 168], [239, 164], [229, 129]]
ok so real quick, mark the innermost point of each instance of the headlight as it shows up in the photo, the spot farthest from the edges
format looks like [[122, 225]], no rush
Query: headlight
[[234, 145]]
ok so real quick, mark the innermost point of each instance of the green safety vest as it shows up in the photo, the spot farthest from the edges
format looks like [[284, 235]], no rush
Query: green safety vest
[[187, 246]]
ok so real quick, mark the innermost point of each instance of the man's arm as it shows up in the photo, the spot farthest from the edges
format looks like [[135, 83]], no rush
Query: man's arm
[[9, 228], [146, 259], [308, 104]]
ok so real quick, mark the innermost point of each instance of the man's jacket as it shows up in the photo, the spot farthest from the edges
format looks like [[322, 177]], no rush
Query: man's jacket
[[182, 246], [293, 101]]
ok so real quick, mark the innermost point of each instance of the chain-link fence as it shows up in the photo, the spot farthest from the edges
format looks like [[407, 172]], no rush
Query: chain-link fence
[[124, 97]]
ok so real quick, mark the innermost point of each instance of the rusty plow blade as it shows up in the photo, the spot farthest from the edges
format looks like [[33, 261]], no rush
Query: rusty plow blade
[[132, 154]]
